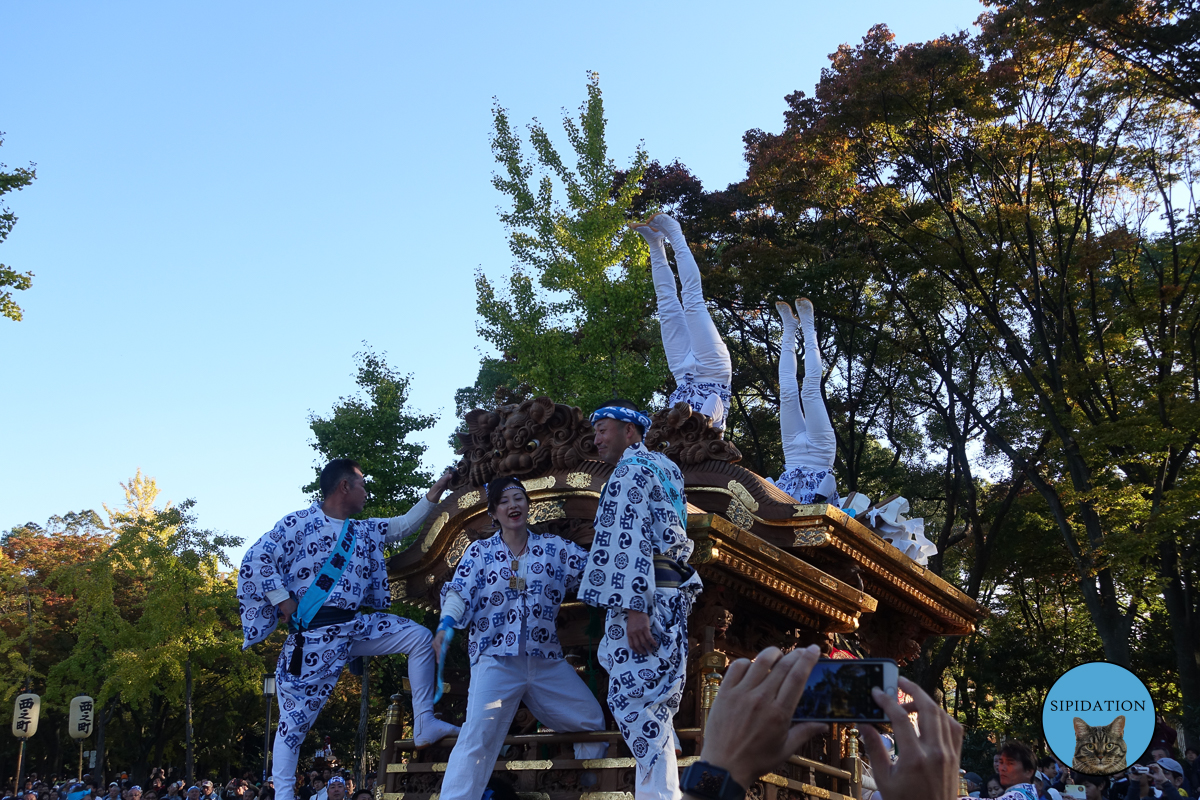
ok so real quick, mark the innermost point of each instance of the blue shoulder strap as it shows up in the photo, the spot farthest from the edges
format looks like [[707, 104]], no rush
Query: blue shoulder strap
[[673, 492], [327, 578]]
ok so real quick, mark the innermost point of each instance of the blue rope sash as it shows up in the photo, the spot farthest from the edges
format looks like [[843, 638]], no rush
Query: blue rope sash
[[318, 593]]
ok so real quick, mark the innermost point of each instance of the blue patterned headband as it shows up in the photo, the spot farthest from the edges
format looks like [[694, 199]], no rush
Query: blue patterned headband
[[622, 415]]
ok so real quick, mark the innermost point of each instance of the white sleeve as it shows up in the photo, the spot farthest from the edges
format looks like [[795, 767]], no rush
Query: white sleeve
[[713, 408], [399, 527], [828, 487], [277, 596], [454, 607]]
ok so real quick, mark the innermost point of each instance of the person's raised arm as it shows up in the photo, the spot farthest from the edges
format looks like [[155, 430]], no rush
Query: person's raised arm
[[927, 766], [411, 520]]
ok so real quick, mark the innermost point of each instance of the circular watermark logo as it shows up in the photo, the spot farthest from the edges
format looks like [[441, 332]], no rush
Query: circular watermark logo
[[1099, 718]]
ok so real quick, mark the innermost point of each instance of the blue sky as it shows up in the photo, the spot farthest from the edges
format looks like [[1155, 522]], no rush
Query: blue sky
[[232, 197]]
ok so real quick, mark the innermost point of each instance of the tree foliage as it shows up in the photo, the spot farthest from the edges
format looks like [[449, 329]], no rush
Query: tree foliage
[[1023, 209], [11, 280], [122, 610], [575, 319], [373, 428], [1156, 40]]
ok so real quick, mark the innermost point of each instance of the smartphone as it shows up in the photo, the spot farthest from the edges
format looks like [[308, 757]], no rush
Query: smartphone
[[839, 690]]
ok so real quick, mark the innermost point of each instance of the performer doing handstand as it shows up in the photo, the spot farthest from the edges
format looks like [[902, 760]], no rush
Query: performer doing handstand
[[809, 444], [508, 588], [697, 357], [638, 570], [318, 569]]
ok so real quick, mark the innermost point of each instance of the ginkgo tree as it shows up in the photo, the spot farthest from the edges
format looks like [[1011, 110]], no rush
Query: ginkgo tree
[[574, 319]]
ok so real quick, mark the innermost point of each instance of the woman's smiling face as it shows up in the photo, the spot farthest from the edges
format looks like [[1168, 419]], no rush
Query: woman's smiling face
[[512, 512]]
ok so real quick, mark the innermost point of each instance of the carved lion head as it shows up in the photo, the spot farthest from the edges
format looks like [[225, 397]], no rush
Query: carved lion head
[[524, 440]]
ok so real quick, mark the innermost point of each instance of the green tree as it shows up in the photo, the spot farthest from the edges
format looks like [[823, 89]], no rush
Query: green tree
[[575, 320], [35, 637], [373, 429], [11, 280], [154, 629], [1001, 187], [188, 619], [1157, 40]]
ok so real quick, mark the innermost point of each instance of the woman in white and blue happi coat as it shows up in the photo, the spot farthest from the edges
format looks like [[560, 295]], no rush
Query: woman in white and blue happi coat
[[809, 444], [506, 591]]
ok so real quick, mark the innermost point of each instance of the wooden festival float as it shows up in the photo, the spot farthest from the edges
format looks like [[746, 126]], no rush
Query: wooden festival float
[[775, 573]]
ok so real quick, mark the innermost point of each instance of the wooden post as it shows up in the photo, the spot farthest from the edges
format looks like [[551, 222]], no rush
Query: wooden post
[[708, 694], [392, 730], [854, 767]]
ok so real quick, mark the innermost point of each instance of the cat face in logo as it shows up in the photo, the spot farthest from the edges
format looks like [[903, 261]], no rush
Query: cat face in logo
[[1100, 749]]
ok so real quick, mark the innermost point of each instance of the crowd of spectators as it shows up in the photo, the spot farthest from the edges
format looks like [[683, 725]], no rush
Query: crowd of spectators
[[324, 784], [1158, 775], [749, 732]]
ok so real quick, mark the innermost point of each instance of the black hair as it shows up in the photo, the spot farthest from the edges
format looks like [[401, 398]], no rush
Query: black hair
[[1044, 762], [1019, 751], [496, 488], [1094, 780], [621, 402], [336, 471]]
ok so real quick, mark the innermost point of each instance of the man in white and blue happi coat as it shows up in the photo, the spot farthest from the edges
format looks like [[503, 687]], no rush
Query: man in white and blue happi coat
[[637, 569], [506, 590], [323, 574]]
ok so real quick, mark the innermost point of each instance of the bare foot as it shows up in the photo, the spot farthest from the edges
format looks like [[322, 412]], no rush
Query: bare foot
[[665, 223], [804, 309], [651, 234]]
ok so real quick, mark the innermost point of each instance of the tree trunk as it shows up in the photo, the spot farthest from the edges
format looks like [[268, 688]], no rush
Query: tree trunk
[[56, 760], [1185, 634], [360, 763], [102, 719], [189, 762]]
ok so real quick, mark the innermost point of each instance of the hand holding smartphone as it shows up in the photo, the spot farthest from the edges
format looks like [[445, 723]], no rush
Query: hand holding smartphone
[[839, 690]]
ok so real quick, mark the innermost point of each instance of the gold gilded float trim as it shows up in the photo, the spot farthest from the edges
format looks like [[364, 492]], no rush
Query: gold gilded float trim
[[434, 530], [538, 484], [905, 589], [768, 601], [579, 480], [469, 499], [461, 542], [811, 537], [785, 588], [546, 510], [769, 551], [738, 514], [743, 494]]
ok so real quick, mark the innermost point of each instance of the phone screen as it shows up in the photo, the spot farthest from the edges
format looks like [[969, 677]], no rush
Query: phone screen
[[839, 690]]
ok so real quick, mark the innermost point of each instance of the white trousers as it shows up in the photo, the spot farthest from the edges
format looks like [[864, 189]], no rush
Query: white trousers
[[690, 339], [555, 694], [326, 651], [807, 432]]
